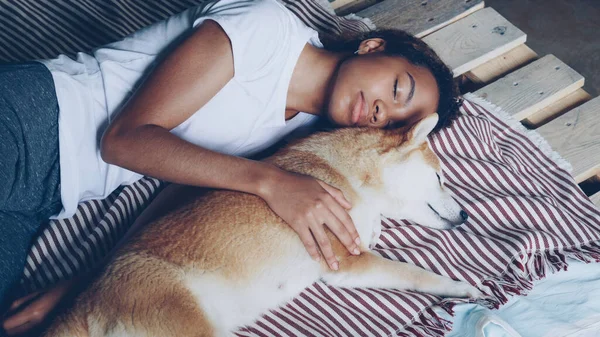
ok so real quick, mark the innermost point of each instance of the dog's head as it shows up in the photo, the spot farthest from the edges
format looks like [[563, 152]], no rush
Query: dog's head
[[413, 180], [395, 167]]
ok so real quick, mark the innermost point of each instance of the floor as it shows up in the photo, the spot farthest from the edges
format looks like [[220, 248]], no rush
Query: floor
[[568, 29]]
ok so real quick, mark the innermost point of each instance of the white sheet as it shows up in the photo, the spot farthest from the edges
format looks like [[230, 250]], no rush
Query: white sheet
[[565, 304]]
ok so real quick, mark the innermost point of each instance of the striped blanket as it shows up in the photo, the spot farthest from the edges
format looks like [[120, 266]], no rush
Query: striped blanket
[[527, 215]]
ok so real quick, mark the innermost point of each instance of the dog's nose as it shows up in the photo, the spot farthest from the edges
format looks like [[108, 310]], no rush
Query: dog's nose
[[464, 215]]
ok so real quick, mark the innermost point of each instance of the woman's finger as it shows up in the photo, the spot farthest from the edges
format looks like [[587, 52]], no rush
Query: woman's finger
[[344, 218], [21, 329], [325, 245], [18, 302], [336, 194], [309, 243], [35, 312], [30, 315], [334, 224]]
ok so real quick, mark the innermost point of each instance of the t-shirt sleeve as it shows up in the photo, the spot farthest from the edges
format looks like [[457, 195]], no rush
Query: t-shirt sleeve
[[256, 29]]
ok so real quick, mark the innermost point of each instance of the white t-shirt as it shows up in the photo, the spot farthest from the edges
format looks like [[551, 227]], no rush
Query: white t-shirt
[[245, 117]]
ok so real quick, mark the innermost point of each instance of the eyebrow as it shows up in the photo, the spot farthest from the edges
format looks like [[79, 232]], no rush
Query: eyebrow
[[412, 89]]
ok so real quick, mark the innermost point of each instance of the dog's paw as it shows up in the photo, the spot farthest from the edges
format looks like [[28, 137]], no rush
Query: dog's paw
[[475, 293], [465, 290]]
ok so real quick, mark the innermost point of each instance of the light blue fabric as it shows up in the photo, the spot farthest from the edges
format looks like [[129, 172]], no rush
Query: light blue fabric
[[565, 304]]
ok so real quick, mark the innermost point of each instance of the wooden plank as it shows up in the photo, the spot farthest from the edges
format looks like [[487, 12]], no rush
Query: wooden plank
[[533, 87], [502, 64], [345, 7], [337, 4], [475, 40], [575, 135], [422, 17], [554, 110], [596, 199]]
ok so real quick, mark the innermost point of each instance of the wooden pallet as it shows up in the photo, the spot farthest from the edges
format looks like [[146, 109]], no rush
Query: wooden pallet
[[489, 57]]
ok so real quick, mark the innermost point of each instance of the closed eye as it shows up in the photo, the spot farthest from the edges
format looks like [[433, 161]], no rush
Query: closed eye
[[395, 89]]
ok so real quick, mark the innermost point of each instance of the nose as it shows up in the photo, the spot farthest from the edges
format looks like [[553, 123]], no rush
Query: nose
[[464, 215], [379, 113]]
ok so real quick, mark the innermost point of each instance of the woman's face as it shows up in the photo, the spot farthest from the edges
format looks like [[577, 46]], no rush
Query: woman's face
[[377, 90]]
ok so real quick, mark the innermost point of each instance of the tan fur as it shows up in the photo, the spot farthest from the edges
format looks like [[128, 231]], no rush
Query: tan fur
[[235, 237], [430, 158]]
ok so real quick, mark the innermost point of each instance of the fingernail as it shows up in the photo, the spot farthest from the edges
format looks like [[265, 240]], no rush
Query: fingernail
[[356, 251], [318, 258], [335, 266], [357, 240]]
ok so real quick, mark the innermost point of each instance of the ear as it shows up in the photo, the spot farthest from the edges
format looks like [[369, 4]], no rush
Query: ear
[[423, 128], [371, 45]]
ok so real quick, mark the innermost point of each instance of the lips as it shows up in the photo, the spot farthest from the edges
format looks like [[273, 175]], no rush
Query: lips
[[359, 110]]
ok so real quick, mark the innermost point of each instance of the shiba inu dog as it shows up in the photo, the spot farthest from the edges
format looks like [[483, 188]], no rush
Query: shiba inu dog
[[217, 263]]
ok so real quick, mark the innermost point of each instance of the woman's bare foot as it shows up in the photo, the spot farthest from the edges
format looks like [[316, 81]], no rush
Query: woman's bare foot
[[30, 311]]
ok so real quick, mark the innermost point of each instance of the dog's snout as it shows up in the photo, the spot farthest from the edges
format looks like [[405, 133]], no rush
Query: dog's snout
[[463, 216], [452, 218]]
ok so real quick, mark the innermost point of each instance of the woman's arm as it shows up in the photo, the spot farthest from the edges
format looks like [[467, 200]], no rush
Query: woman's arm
[[139, 139]]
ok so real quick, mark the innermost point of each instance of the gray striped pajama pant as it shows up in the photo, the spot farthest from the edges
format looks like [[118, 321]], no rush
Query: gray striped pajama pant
[[29, 166]]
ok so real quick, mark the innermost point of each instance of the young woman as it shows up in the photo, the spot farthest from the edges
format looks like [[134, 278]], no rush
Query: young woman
[[184, 100]]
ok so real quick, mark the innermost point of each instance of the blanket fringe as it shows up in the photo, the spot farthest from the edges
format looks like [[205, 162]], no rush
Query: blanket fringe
[[427, 324], [516, 280]]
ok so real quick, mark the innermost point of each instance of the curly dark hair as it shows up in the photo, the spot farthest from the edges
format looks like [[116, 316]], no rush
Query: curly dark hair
[[417, 52]]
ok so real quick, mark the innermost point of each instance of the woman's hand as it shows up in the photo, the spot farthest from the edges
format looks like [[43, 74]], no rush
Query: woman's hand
[[307, 205], [29, 312]]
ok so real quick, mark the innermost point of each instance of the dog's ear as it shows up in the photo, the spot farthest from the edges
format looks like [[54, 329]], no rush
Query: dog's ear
[[409, 136], [420, 131]]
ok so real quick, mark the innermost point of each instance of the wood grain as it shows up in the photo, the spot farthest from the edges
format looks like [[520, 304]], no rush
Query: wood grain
[[533, 87], [421, 17], [475, 40], [502, 64], [576, 136], [556, 109]]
